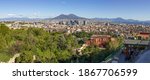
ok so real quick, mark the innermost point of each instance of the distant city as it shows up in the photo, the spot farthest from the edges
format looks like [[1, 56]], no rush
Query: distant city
[[73, 17]]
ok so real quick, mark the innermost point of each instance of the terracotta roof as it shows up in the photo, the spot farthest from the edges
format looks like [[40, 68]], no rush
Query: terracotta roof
[[96, 36]]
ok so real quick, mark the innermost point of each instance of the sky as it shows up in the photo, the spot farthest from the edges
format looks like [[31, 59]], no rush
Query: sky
[[128, 9]]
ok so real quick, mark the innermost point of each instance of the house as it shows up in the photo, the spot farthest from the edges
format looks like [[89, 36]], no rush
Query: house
[[99, 40], [144, 35]]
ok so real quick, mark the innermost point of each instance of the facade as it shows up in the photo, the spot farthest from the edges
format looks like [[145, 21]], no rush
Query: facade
[[144, 36], [99, 40]]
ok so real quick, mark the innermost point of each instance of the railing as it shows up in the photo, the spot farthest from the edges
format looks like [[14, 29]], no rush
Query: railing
[[114, 54]]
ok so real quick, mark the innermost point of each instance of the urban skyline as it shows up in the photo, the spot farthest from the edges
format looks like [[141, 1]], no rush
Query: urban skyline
[[128, 9]]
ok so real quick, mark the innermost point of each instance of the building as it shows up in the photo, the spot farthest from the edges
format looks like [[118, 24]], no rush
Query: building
[[99, 40], [143, 35]]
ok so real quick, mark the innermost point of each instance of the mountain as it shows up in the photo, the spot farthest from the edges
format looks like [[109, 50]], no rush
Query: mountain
[[121, 20], [70, 16]]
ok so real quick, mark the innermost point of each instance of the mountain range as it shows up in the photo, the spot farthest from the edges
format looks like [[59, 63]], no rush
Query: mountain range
[[121, 20], [72, 16]]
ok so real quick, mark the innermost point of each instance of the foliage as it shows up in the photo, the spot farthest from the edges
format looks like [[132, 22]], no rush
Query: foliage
[[45, 46], [39, 46]]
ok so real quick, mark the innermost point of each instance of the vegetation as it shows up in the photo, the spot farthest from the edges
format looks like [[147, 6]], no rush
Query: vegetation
[[95, 54], [82, 37], [37, 45]]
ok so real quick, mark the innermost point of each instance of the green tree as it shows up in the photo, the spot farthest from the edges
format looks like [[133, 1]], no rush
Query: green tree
[[4, 29], [3, 43], [25, 57]]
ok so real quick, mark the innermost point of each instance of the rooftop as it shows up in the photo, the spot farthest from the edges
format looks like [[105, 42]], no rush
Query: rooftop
[[137, 42], [97, 36]]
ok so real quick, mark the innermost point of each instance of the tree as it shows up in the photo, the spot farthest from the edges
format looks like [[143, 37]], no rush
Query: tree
[[17, 47], [25, 57], [64, 56], [3, 43], [4, 29], [92, 54]]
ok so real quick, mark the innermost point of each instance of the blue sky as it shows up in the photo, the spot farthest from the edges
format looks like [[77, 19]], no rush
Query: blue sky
[[129, 9]]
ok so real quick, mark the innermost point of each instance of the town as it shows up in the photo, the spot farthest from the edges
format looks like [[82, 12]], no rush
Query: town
[[135, 38]]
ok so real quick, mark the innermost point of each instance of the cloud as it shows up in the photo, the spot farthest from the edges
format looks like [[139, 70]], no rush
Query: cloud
[[11, 14], [33, 15], [15, 15]]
